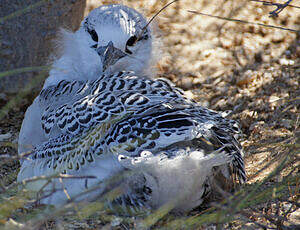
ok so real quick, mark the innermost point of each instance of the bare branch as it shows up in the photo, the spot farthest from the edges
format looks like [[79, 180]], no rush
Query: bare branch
[[279, 6], [54, 176], [145, 27], [242, 21]]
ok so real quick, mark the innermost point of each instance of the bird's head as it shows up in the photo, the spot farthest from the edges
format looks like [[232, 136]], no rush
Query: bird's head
[[117, 35], [111, 38]]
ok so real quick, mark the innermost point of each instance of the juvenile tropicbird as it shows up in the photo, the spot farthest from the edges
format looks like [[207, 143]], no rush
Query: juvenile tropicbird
[[94, 118]]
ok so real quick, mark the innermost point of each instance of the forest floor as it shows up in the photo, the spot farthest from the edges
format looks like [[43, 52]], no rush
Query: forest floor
[[251, 70]]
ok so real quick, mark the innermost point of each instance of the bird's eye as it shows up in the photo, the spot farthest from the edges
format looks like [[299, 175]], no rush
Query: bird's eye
[[93, 34], [131, 41]]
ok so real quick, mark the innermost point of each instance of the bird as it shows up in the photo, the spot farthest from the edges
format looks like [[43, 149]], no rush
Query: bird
[[110, 39], [100, 114]]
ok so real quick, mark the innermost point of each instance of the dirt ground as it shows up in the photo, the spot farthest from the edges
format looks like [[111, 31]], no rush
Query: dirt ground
[[251, 70]]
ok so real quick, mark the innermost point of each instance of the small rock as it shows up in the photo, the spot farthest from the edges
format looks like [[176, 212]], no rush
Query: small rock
[[284, 61], [277, 37], [226, 43]]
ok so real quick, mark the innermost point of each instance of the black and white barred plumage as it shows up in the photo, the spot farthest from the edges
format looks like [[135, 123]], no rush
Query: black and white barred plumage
[[123, 121]]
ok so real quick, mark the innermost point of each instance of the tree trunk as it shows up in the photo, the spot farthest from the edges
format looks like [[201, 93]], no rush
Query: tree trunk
[[26, 39]]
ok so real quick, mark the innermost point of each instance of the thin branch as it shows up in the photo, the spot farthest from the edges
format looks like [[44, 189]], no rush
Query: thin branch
[[145, 27], [54, 176], [279, 6], [245, 215], [243, 21], [272, 3]]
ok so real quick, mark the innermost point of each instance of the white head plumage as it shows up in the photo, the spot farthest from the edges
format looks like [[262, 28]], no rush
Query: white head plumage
[[110, 38]]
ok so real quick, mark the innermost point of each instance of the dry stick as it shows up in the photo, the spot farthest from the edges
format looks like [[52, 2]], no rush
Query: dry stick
[[228, 209], [225, 209], [55, 176], [274, 219], [236, 206], [17, 157], [36, 223], [290, 210], [279, 6], [272, 161], [245, 215], [70, 204], [243, 21], [145, 27], [110, 184], [272, 3], [40, 192], [274, 172]]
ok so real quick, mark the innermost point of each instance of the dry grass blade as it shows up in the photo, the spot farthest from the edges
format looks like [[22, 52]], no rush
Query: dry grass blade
[[24, 70], [22, 11], [28, 89]]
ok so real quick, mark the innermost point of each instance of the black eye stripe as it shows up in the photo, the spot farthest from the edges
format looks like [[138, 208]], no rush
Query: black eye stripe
[[93, 34], [128, 51], [131, 41]]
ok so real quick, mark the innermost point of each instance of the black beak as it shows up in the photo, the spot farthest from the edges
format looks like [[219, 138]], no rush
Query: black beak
[[109, 55]]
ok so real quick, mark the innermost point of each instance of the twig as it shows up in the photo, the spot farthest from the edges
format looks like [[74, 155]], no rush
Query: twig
[[109, 193], [272, 161], [277, 220], [17, 157], [270, 3], [279, 6], [145, 27], [243, 21], [55, 176], [245, 215]]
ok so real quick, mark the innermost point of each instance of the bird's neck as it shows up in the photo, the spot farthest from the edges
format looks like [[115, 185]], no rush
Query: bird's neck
[[71, 68]]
